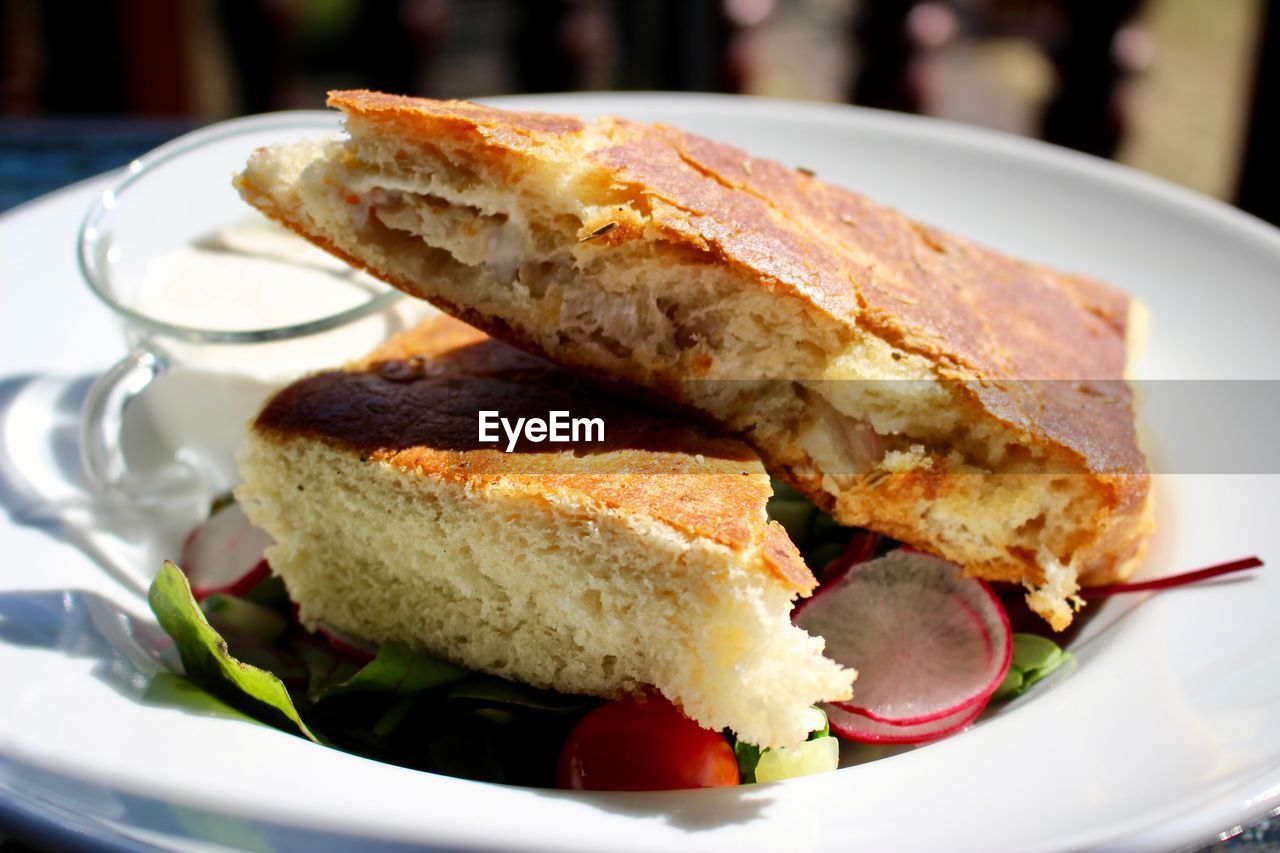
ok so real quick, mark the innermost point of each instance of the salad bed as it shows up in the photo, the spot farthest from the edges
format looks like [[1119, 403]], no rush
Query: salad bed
[[939, 649]]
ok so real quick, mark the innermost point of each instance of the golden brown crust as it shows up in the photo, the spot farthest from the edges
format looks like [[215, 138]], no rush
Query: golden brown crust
[[508, 129], [413, 403], [783, 557], [974, 312]]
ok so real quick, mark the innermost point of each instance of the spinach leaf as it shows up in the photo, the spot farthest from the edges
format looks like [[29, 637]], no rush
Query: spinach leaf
[[208, 663], [400, 671]]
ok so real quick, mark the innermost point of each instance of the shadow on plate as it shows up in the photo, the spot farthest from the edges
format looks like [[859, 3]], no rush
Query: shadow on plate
[[689, 811], [64, 812], [42, 485], [82, 624]]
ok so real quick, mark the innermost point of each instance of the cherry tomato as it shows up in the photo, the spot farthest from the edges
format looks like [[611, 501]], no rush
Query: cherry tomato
[[644, 744]]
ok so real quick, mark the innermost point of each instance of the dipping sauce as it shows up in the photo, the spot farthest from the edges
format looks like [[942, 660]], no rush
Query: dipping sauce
[[254, 275]]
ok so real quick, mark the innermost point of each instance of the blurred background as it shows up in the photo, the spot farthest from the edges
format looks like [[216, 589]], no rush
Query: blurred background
[[1184, 89]]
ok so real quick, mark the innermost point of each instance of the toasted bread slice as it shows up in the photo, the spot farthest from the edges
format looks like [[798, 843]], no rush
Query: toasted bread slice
[[646, 560], [903, 378]]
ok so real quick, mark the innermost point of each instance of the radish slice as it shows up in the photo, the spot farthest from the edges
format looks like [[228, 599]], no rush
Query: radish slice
[[930, 645], [225, 554], [346, 645], [862, 547], [856, 727]]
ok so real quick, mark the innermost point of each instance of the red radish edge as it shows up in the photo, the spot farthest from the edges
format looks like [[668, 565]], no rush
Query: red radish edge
[[1172, 580], [979, 697], [224, 554], [862, 547], [855, 727], [347, 645], [260, 572]]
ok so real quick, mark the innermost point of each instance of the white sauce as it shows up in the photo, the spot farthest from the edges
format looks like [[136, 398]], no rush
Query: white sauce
[[254, 276], [259, 276]]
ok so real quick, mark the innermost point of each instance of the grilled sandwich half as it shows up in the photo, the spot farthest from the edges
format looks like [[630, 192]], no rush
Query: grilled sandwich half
[[903, 378], [604, 567]]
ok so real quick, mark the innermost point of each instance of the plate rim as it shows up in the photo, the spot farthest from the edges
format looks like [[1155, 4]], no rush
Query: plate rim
[[1232, 807]]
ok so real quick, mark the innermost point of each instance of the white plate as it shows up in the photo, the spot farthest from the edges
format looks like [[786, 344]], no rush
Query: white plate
[[1168, 733]]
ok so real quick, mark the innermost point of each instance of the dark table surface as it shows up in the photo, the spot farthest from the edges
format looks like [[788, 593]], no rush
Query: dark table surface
[[42, 154]]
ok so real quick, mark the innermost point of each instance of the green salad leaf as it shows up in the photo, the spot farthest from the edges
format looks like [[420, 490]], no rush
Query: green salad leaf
[[208, 663], [326, 669], [229, 613], [393, 717], [400, 671], [1034, 658], [498, 691], [819, 537], [748, 755], [819, 754]]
